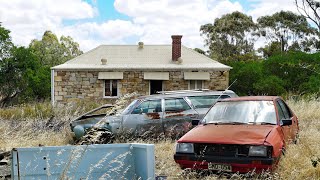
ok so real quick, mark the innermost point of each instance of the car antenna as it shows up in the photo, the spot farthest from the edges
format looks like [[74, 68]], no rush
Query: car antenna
[[225, 90], [219, 98]]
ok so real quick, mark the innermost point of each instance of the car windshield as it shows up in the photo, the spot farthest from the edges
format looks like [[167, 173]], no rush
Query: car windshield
[[255, 112]]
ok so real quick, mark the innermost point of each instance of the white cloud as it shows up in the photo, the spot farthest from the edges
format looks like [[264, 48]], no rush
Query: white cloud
[[262, 7], [28, 20], [161, 19], [150, 21]]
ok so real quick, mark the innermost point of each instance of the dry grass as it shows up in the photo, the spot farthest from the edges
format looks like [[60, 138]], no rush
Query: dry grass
[[32, 125], [38, 124]]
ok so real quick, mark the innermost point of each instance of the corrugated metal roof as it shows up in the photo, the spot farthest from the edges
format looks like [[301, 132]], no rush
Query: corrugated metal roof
[[131, 57]]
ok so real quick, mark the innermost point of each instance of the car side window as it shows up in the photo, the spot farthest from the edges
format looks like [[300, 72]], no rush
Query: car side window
[[286, 111], [205, 101], [176, 105], [280, 112], [150, 106]]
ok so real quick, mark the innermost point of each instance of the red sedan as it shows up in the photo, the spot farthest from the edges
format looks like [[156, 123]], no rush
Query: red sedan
[[239, 135]]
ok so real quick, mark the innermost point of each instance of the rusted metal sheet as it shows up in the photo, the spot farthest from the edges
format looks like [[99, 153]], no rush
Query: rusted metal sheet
[[103, 161]]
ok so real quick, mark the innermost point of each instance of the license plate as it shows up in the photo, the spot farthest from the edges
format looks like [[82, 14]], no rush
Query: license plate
[[220, 167]]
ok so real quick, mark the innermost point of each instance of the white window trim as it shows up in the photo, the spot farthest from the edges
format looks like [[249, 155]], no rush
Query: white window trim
[[104, 89], [202, 84]]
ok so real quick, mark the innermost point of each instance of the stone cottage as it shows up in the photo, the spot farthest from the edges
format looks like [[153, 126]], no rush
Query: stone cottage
[[109, 71]]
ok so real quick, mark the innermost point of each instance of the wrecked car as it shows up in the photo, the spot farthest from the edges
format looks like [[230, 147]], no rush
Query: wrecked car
[[240, 134], [169, 113]]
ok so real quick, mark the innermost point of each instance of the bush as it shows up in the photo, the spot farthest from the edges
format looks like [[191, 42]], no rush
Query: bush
[[294, 72]]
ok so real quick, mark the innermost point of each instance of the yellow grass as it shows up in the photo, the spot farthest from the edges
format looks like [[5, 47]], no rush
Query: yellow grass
[[25, 128]]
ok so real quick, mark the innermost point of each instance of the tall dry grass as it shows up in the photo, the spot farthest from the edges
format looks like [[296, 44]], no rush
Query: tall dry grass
[[39, 124], [31, 125]]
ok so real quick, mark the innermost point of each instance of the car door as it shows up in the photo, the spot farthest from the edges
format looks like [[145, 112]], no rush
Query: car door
[[177, 117], [283, 115], [145, 119], [289, 115]]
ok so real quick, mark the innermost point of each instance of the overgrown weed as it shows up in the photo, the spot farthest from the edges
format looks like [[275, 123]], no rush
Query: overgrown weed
[[31, 125]]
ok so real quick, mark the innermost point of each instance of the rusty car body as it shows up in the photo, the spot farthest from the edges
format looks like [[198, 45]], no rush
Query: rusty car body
[[169, 114], [239, 135]]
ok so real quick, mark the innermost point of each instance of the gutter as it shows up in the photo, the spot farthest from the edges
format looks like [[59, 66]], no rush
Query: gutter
[[52, 87]]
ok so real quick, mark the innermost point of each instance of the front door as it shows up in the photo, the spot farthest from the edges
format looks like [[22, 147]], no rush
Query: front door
[[155, 86]]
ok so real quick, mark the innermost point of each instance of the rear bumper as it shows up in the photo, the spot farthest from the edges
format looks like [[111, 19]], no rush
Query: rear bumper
[[238, 164]]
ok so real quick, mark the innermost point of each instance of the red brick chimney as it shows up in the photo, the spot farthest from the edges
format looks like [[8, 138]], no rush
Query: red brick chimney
[[176, 47]]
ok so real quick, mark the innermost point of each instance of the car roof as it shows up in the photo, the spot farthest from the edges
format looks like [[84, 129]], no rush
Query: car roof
[[252, 98], [173, 94]]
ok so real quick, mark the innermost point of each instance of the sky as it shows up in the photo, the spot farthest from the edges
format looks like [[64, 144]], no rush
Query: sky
[[95, 22]]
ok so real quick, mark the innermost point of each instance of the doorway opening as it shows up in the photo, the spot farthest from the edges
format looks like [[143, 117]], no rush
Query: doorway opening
[[155, 86]]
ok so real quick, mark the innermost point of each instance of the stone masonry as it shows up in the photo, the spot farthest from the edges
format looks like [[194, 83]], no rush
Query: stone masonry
[[75, 85]]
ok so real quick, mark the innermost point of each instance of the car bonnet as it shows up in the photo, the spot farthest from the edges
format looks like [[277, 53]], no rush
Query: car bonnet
[[228, 134]]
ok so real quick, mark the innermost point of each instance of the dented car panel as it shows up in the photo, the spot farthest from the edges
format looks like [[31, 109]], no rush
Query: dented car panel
[[239, 135], [227, 134], [152, 116]]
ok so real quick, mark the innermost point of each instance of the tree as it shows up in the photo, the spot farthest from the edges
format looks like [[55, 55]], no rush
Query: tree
[[70, 48], [310, 9], [17, 75], [287, 28], [5, 43], [200, 51], [52, 52], [230, 36], [274, 48]]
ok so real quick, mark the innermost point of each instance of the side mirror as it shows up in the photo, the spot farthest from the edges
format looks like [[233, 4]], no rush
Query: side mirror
[[286, 122], [195, 122]]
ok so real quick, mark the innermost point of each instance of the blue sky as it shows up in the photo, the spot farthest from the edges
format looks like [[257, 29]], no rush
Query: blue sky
[[95, 22]]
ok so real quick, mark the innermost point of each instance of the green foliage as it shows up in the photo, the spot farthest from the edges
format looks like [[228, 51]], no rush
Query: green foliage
[[5, 43], [269, 85], [200, 51], [312, 86], [247, 74], [228, 37], [25, 72], [22, 77], [53, 52], [293, 68], [294, 72], [274, 48]]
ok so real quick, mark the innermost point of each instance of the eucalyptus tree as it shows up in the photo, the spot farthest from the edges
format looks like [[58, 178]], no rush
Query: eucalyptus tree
[[230, 36], [310, 9], [288, 29], [52, 52]]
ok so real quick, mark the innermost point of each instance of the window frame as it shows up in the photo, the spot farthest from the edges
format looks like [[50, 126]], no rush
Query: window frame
[[147, 101], [196, 84], [165, 107], [104, 88]]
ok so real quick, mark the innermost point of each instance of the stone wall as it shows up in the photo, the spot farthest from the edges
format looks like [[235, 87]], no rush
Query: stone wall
[[75, 85]]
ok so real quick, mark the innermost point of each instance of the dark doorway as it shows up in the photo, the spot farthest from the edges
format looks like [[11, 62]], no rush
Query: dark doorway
[[155, 86]]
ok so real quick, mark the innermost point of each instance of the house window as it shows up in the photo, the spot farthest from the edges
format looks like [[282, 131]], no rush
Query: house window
[[110, 88], [195, 84]]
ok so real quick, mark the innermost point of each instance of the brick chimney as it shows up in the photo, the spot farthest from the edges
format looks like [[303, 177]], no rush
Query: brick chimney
[[176, 47]]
